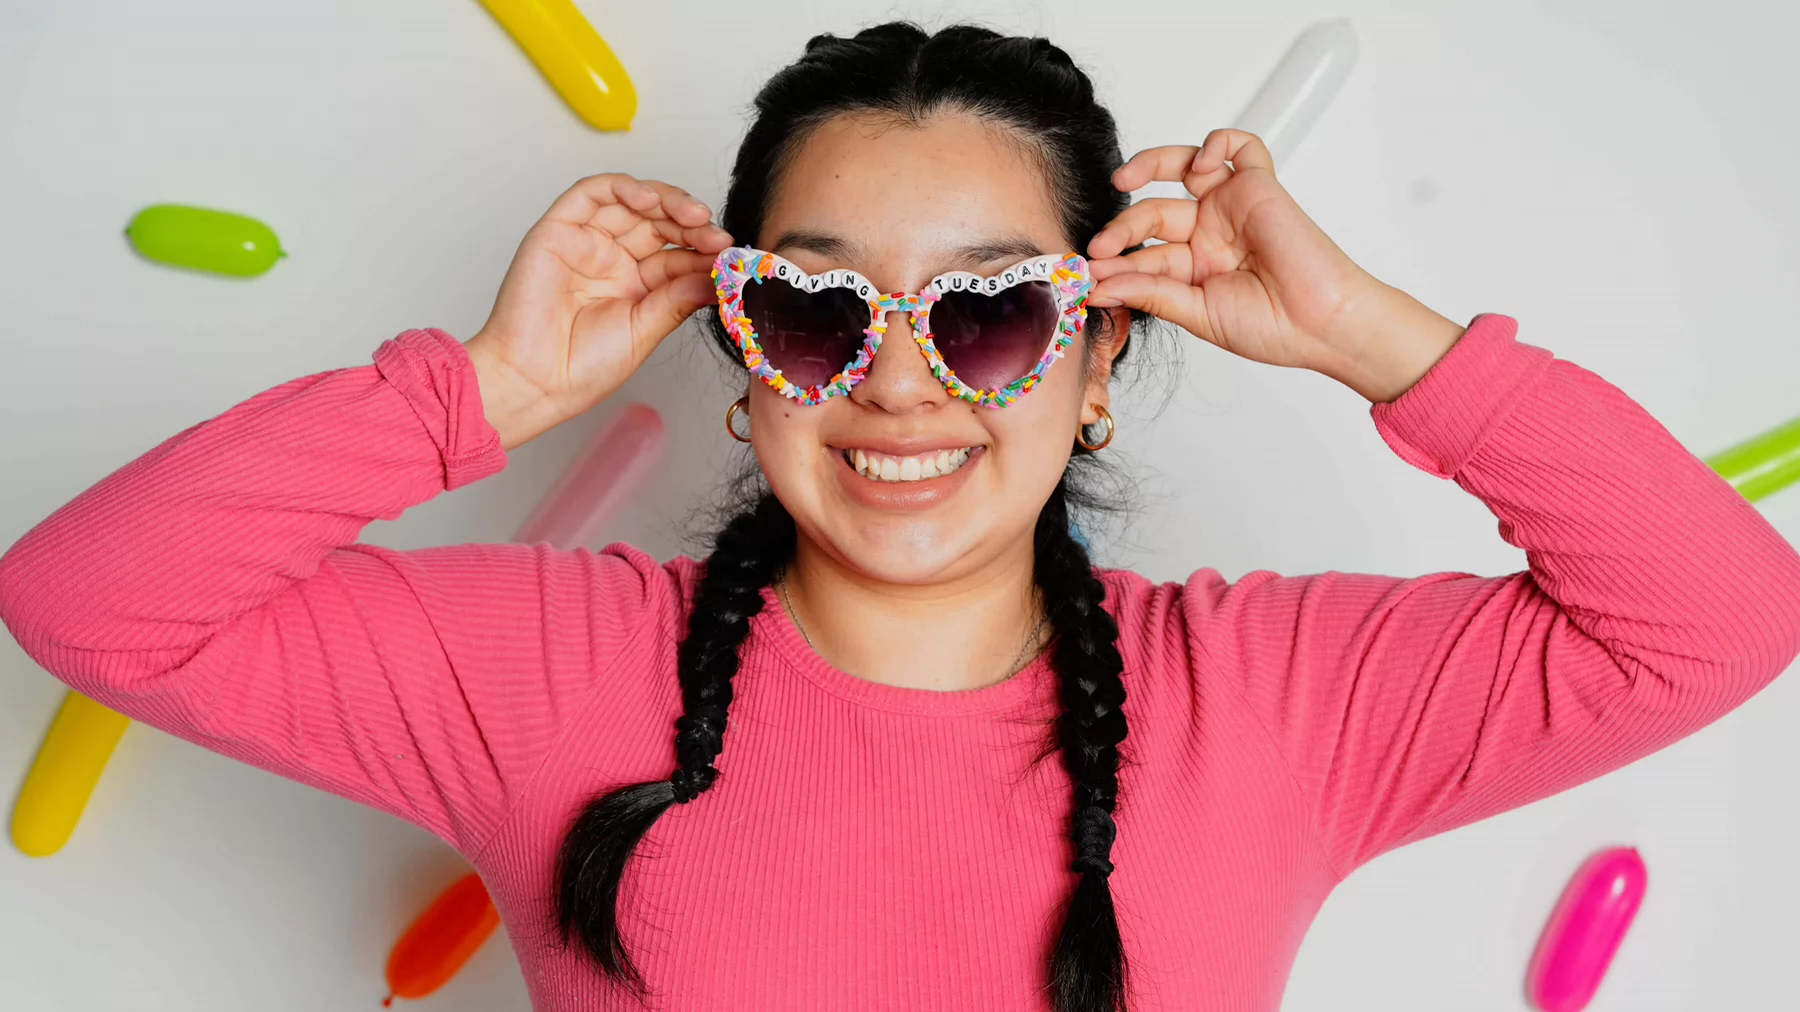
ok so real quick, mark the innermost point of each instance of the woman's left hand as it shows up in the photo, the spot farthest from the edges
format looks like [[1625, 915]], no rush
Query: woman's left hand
[[1243, 267]]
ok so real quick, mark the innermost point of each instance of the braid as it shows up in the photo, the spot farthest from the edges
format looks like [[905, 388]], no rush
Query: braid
[[591, 864], [1087, 968]]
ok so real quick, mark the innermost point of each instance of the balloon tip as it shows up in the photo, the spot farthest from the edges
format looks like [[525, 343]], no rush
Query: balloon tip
[[387, 1002]]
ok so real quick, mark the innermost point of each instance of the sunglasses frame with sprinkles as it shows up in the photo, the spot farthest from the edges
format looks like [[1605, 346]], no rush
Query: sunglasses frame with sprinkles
[[1066, 273]]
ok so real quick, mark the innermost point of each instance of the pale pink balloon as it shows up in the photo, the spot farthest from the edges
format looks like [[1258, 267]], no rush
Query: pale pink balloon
[[1585, 929], [597, 481]]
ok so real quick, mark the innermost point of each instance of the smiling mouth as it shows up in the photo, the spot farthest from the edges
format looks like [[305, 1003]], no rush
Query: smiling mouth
[[918, 467]]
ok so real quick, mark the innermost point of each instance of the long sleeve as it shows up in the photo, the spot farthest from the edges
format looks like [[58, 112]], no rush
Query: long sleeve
[[1656, 600], [213, 588]]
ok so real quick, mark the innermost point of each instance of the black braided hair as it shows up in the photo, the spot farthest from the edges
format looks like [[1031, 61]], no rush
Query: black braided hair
[[744, 559], [1087, 968], [898, 69]]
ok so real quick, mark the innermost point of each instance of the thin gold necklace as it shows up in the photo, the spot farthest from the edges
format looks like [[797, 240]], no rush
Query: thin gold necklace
[[1018, 663]]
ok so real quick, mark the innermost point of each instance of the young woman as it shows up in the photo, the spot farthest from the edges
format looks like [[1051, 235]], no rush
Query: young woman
[[810, 772]]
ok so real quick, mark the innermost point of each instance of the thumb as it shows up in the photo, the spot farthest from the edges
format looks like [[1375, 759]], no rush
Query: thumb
[[668, 304]]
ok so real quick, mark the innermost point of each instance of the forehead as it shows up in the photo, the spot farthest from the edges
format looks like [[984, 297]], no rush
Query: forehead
[[907, 200]]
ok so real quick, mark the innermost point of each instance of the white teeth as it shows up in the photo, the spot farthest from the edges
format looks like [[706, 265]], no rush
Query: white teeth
[[878, 467]]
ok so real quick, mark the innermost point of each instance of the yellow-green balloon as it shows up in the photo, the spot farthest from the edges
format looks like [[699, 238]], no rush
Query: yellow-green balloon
[[1763, 464], [204, 240]]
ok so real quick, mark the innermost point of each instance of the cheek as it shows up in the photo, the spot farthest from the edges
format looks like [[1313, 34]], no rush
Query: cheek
[[1064, 391], [1036, 433], [787, 438], [778, 425]]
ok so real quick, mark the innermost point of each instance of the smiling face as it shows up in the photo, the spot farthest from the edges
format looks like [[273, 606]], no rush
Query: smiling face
[[899, 481]]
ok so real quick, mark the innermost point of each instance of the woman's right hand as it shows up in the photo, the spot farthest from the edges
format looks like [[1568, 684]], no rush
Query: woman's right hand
[[590, 294]]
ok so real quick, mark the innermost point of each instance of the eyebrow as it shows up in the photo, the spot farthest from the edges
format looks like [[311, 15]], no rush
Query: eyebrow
[[1010, 247], [825, 244]]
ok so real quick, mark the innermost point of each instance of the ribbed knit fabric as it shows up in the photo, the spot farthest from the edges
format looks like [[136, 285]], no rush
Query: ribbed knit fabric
[[871, 847]]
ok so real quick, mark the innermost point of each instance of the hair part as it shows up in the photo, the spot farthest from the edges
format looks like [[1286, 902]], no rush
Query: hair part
[[1035, 93]]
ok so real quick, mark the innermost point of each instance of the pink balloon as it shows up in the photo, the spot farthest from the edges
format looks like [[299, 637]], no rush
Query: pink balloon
[[1585, 929], [597, 481]]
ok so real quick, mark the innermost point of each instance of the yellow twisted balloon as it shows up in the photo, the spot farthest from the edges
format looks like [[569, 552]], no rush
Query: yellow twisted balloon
[[576, 60]]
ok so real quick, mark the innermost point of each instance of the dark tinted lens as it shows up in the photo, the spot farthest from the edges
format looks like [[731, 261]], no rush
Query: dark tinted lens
[[809, 336], [991, 340]]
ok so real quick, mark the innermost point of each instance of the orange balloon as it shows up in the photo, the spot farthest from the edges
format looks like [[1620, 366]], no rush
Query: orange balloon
[[441, 940]]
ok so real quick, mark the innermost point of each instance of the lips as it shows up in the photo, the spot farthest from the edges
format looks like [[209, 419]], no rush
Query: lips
[[909, 488]]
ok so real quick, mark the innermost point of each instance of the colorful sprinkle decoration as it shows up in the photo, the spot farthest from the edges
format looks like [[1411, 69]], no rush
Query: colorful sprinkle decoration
[[739, 265]]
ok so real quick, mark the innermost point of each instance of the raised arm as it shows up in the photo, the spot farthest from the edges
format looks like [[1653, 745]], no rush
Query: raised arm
[[214, 587], [1657, 599]]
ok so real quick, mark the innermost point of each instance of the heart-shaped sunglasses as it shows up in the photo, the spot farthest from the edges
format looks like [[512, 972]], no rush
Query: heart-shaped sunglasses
[[988, 339]]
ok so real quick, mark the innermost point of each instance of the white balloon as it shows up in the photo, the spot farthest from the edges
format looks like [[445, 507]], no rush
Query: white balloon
[[1302, 85]]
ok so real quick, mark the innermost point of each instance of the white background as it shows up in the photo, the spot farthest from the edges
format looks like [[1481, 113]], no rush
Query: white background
[[1617, 176]]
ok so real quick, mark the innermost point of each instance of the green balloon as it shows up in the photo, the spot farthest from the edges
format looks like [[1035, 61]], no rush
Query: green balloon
[[204, 240], [1763, 464]]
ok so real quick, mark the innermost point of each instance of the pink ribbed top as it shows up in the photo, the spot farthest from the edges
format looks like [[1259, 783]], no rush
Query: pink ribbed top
[[871, 847]]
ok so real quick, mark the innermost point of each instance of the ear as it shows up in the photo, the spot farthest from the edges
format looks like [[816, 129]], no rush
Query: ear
[[1099, 377]]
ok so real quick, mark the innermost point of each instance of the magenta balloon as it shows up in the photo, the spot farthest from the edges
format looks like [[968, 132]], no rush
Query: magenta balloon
[[1585, 929], [597, 481]]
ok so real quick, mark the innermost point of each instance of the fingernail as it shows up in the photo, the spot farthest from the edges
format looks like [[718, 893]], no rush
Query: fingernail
[[1100, 302]]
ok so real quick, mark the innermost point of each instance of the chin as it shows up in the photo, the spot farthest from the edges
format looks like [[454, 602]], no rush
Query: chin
[[909, 550]]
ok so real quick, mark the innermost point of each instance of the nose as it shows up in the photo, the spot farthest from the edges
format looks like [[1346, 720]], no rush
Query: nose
[[899, 380]]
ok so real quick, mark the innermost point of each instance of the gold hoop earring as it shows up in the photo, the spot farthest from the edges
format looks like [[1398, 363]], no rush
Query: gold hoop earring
[[741, 404], [1106, 419]]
